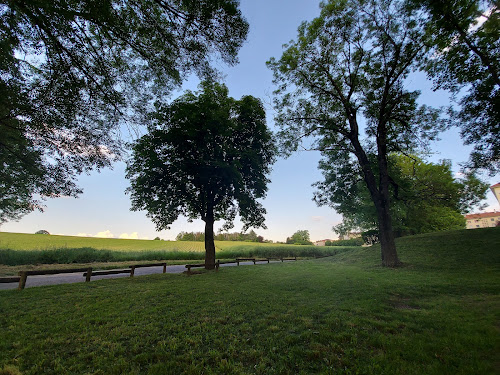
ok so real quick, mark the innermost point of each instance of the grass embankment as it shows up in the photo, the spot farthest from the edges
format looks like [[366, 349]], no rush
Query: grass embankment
[[24, 249], [344, 314]]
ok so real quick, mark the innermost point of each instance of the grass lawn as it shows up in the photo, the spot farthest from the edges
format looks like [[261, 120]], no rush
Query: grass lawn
[[339, 315]]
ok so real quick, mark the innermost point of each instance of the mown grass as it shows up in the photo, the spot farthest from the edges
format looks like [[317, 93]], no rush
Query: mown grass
[[343, 314], [24, 249]]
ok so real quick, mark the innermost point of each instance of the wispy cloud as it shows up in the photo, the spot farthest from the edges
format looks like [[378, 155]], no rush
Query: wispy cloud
[[317, 219]]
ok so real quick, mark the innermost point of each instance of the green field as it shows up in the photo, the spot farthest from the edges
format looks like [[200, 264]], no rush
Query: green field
[[32, 249], [439, 314], [23, 241]]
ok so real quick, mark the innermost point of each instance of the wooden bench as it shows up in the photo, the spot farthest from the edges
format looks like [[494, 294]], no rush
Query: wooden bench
[[238, 260], [132, 268], [9, 279], [294, 258], [88, 274], [24, 274], [199, 265]]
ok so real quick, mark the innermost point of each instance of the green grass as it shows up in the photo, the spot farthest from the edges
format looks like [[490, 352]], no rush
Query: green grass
[[19, 249], [344, 314]]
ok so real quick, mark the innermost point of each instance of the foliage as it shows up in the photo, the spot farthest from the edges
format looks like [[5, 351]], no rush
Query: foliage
[[206, 155], [251, 236], [190, 236], [342, 82], [42, 231], [73, 72], [340, 314], [301, 237], [465, 35], [425, 197], [350, 242]]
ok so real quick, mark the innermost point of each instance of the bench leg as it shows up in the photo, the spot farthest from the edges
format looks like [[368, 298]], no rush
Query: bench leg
[[89, 275], [22, 280], [164, 267], [132, 271]]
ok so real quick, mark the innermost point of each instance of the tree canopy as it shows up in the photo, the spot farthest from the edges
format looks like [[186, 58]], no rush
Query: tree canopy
[[206, 156], [425, 197], [342, 83], [300, 237], [465, 35], [74, 71]]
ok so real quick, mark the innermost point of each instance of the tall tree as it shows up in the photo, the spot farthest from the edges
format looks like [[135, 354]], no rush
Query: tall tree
[[206, 156], [342, 82], [465, 35], [73, 71], [425, 197]]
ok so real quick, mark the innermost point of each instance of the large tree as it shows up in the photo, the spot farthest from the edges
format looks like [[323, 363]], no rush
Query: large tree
[[465, 36], [425, 197], [343, 82], [206, 156], [73, 71]]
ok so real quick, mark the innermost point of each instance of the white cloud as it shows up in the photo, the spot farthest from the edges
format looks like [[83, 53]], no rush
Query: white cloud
[[105, 234], [83, 235], [317, 218], [132, 236]]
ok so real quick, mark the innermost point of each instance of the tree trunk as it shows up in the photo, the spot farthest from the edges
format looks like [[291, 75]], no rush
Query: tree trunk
[[209, 244], [380, 198], [386, 236]]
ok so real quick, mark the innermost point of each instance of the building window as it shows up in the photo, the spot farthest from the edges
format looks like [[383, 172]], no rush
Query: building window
[[477, 226], [492, 219]]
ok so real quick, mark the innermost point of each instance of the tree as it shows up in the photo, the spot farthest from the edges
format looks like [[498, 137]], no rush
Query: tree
[[425, 197], [301, 237], [465, 35], [73, 72], [342, 83], [206, 155]]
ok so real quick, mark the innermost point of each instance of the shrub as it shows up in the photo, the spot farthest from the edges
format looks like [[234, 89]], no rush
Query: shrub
[[42, 231], [352, 242]]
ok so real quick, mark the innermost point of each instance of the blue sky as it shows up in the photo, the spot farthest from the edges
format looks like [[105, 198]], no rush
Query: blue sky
[[104, 209]]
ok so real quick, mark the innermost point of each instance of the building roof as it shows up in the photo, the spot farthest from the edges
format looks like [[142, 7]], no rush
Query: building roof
[[494, 186], [482, 215]]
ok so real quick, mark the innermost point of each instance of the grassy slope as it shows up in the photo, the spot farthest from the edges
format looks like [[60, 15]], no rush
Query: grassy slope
[[345, 314]]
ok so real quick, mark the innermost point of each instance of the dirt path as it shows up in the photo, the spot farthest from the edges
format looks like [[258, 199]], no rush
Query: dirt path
[[70, 278]]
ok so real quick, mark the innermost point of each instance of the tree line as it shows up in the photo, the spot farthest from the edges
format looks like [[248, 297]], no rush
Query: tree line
[[251, 236]]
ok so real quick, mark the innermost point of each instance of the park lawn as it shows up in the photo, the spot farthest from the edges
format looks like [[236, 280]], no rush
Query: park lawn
[[344, 314]]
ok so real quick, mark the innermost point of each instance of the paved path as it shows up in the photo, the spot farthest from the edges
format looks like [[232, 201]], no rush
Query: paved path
[[77, 277]]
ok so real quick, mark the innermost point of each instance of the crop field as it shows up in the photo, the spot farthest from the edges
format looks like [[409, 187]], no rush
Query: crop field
[[345, 314], [23, 241], [19, 248]]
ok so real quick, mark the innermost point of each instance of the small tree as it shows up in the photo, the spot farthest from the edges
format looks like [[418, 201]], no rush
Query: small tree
[[301, 237], [206, 156]]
